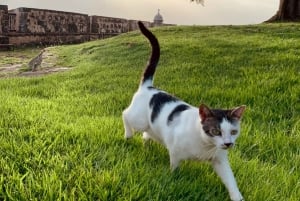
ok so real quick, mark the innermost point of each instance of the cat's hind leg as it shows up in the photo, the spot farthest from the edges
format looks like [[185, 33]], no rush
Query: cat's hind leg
[[146, 137], [127, 126], [135, 117], [174, 161]]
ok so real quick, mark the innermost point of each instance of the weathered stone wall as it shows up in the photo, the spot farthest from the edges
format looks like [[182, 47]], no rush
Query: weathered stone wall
[[46, 39], [133, 24], [31, 20], [105, 27], [29, 26], [108, 25], [4, 39], [3, 20], [11, 22], [39, 26]]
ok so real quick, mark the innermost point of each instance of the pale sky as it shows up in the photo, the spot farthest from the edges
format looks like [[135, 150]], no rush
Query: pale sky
[[181, 12]]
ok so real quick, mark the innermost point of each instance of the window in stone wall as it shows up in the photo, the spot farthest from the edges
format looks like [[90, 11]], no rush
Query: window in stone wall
[[12, 22], [81, 27]]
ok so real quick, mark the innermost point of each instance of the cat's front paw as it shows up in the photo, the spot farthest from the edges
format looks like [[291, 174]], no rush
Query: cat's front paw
[[240, 199], [237, 197]]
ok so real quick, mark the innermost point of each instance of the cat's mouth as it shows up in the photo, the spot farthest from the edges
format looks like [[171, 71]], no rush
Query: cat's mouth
[[227, 146]]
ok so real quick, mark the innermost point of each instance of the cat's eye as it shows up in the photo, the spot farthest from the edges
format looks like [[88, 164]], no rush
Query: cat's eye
[[234, 132], [215, 131]]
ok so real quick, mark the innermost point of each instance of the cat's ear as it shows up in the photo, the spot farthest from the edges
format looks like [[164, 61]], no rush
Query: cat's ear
[[204, 112], [237, 112]]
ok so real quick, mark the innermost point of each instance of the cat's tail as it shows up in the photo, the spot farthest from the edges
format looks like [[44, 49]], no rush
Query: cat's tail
[[147, 78]]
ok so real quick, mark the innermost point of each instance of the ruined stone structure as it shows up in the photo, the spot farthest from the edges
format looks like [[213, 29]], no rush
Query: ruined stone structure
[[4, 25], [37, 26], [30, 20], [24, 26]]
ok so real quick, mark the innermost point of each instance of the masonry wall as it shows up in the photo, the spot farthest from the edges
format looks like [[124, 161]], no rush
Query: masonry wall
[[46, 39], [108, 25], [23, 26], [3, 19], [31, 20], [3, 24], [133, 24], [41, 26]]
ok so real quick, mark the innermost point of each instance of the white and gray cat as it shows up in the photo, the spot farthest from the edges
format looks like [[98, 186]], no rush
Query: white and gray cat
[[187, 132]]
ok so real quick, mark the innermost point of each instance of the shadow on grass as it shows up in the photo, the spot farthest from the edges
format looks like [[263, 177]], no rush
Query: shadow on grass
[[149, 164]]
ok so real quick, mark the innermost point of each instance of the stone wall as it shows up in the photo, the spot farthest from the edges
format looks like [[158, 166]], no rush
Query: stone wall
[[4, 39], [46, 39], [108, 25], [12, 18], [133, 24], [3, 20], [29, 26], [31, 20]]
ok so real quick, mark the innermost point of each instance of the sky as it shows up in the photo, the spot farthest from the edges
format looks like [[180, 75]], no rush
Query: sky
[[181, 12]]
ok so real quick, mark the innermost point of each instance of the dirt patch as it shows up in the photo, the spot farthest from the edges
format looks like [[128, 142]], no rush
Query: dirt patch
[[11, 68], [44, 71], [43, 63]]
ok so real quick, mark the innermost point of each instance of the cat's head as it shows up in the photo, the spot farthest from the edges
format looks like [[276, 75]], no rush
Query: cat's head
[[222, 127]]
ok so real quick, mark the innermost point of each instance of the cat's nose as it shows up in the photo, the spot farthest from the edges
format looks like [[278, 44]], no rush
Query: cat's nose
[[228, 144]]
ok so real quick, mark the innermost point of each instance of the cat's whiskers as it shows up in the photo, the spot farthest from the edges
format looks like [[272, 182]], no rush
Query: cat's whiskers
[[209, 154]]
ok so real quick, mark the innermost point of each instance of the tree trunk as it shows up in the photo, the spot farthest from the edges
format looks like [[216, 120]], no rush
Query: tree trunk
[[289, 11]]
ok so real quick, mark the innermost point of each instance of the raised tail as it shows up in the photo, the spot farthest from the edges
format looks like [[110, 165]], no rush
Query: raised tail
[[154, 58]]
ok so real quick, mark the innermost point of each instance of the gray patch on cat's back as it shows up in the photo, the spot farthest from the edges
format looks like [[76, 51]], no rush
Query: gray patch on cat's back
[[157, 102]]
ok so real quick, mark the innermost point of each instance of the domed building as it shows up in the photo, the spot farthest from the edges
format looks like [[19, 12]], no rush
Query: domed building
[[158, 19]]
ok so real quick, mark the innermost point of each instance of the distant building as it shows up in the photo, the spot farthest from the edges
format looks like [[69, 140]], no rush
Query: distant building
[[3, 24], [25, 26], [158, 19]]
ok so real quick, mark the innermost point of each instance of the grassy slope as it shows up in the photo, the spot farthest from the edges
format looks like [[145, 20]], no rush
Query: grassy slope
[[62, 135]]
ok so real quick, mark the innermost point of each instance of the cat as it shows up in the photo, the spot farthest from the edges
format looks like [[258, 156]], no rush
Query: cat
[[186, 131]]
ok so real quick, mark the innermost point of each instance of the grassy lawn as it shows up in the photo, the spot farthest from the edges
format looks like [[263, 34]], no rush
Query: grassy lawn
[[61, 135]]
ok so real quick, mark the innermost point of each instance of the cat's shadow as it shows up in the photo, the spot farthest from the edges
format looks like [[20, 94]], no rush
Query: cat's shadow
[[154, 159], [150, 153]]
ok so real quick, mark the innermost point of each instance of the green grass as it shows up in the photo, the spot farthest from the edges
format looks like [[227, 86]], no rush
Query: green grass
[[62, 135]]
